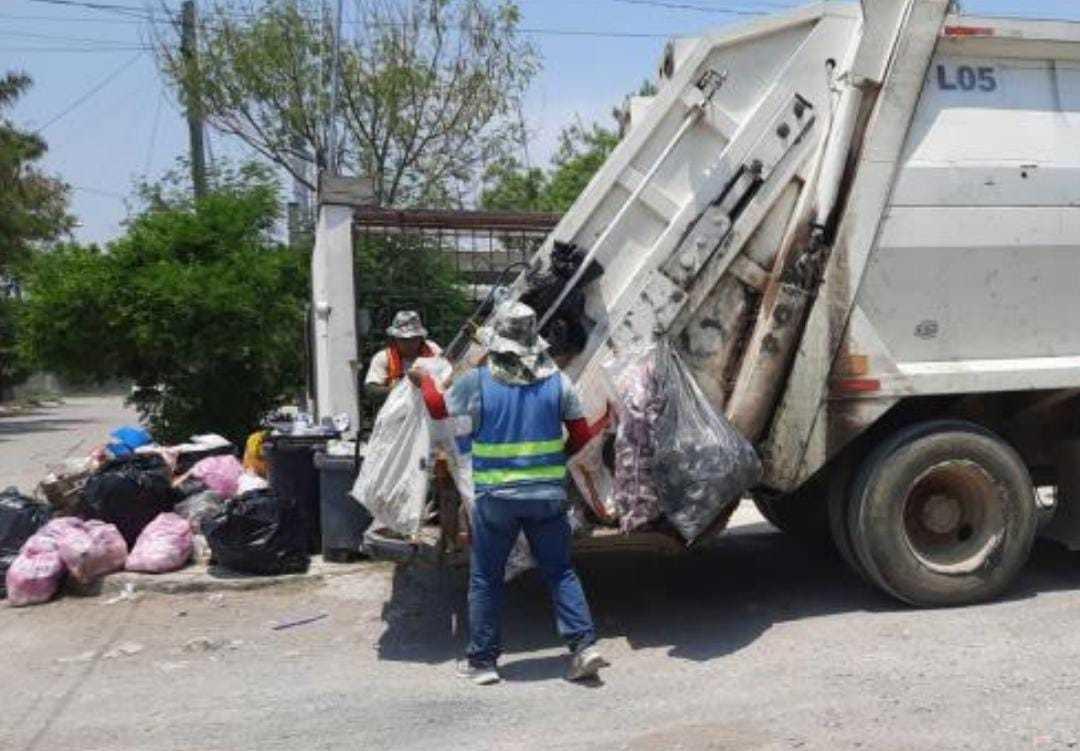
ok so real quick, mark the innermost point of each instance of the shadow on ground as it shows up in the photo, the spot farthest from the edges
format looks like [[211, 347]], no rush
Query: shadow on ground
[[27, 423], [700, 606]]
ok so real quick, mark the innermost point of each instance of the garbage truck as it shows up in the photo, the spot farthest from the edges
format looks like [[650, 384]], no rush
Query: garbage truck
[[860, 226]]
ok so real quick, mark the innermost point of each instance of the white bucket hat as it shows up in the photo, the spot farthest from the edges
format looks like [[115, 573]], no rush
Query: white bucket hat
[[520, 353], [407, 325]]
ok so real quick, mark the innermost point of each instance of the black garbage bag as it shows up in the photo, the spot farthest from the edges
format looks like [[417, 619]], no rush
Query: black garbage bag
[[258, 533], [129, 493], [702, 464], [567, 330], [566, 258], [20, 518]]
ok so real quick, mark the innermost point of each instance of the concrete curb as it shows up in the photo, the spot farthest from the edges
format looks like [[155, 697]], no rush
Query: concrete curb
[[200, 578]]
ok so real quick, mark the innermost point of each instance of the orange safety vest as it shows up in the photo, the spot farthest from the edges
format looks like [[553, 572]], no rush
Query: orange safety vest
[[396, 367]]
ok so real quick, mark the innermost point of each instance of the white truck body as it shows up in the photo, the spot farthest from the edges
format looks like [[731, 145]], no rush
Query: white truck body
[[843, 212], [957, 232]]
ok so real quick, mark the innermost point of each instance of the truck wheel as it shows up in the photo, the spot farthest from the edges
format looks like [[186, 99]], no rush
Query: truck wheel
[[802, 514], [943, 513]]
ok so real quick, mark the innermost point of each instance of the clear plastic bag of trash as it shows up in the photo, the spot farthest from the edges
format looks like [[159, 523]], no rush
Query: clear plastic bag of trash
[[199, 508], [639, 398], [702, 465]]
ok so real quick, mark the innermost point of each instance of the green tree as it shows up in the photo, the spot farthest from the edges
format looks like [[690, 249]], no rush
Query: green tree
[[429, 94], [582, 151], [33, 206], [33, 211], [195, 303], [13, 367]]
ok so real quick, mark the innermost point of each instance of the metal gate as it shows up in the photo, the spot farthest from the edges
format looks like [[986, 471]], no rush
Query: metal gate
[[440, 263]]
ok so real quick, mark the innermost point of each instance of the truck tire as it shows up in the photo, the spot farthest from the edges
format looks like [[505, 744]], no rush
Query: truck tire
[[803, 514], [839, 504], [943, 513]]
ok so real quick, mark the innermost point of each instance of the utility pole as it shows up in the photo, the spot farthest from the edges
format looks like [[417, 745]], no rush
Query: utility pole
[[335, 84], [189, 52]]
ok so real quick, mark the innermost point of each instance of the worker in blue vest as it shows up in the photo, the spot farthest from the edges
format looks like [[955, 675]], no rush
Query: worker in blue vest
[[519, 402]]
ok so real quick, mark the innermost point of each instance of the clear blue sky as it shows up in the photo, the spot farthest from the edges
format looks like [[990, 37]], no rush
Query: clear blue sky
[[131, 126]]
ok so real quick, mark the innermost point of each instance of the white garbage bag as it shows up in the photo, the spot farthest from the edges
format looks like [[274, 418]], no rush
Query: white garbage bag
[[393, 480], [593, 481]]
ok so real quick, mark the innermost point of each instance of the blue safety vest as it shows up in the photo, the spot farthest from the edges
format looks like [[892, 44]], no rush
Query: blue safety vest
[[520, 441]]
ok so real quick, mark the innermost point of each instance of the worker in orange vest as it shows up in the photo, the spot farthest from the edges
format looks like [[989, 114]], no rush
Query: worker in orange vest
[[408, 341]]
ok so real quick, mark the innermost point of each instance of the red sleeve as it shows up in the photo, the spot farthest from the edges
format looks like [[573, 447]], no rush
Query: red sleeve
[[433, 398], [579, 435], [581, 432]]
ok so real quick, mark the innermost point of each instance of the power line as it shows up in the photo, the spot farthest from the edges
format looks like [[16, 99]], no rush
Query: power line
[[152, 18], [698, 8], [104, 82], [66, 19], [54, 38], [55, 50], [129, 9]]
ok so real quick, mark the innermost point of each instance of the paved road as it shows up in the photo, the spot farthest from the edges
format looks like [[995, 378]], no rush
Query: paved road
[[38, 437], [756, 644]]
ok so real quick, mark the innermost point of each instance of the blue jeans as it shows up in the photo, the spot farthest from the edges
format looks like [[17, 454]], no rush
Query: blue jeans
[[496, 524]]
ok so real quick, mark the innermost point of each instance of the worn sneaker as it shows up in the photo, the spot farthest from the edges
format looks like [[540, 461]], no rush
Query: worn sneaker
[[585, 665], [481, 676]]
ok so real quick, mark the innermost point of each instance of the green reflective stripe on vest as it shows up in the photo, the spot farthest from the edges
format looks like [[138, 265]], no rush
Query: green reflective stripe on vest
[[504, 476], [517, 450]]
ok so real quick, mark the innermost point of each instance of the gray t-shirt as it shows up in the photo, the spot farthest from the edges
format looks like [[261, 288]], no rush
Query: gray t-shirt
[[463, 399]]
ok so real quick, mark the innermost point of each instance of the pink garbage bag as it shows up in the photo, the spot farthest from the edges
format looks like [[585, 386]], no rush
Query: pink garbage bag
[[35, 574], [92, 549], [220, 474], [165, 545]]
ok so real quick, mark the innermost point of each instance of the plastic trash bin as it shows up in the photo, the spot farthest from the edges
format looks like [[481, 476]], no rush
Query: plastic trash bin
[[343, 520], [293, 475]]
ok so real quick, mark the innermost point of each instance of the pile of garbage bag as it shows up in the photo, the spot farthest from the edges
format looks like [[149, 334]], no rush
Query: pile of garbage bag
[[135, 505], [83, 550]]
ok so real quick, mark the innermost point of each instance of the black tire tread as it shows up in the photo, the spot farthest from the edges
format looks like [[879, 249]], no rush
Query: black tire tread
[[877, 461]]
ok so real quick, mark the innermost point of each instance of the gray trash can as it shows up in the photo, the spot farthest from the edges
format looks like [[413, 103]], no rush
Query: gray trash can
[[343, 519]]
